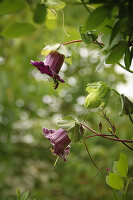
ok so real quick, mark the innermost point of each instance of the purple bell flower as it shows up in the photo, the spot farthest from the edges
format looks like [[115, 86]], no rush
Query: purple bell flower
[[51, 66], [59, 140]]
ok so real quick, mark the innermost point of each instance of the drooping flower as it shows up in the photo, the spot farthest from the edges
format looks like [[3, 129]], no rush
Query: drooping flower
[[59, 140], [51, 66]]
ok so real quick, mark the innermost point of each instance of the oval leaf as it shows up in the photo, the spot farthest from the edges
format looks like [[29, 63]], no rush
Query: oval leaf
[[66, 123], [25, 195], [115, 181], [122, 165], [18, 30], [117, 52], [96, 18], [40, 13], [75, 133], [127, 58]]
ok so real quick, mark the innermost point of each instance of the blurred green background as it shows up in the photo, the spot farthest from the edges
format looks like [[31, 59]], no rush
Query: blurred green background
[[29, 102]]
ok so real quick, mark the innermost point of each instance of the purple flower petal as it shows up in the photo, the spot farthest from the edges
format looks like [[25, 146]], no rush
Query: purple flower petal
[[59, 140], [51, 66]]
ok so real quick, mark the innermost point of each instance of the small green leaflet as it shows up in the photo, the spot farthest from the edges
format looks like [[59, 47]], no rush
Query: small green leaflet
[[96, 17], [66, 123], [75, 133], [18, 30], [127, 105], [89, 36], [98, 95], [71, 125], [115, 181], [128, 58], [116, 53], [25, 195], [122, 165]]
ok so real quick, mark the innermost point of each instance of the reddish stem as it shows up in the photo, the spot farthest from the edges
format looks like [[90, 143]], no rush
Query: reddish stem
[[106, 137], [78, 41]]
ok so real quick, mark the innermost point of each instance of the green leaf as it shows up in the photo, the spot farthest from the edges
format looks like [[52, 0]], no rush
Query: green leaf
[[67, 122], [18, 30], [56, 4], [128, 58], [122, 165], [115, 167], [40, 13], [98, 95], [75, 133], [115, 181], [127, 105], [116, 53], [89, 36], [11, 6], [116, 29], [25, 195], [18, 194], [96, 18]]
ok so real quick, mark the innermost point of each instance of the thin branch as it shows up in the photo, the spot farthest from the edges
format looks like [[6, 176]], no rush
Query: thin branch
[[102, 135], [128, 70], [90, 155], [106, 137], [80, 41], [113, 132]]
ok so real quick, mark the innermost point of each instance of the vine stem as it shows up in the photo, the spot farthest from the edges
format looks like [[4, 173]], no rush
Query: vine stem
[[112, 127], [100, 44], [103, 135], [74, 41], [90, 155]]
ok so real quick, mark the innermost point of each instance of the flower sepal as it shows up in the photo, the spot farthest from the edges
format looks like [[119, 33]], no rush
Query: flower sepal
[[60, 48], [72, 126]]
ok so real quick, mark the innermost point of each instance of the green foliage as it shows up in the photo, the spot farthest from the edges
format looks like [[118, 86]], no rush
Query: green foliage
[[96, 18], [127, 105], [67, 122], [40, 13], [98, 95], [9, 7], [23, 196], [71, 125], [18, 30], [117, 179], [89, 36], [128, 57], [116, 53], [122, 165]]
